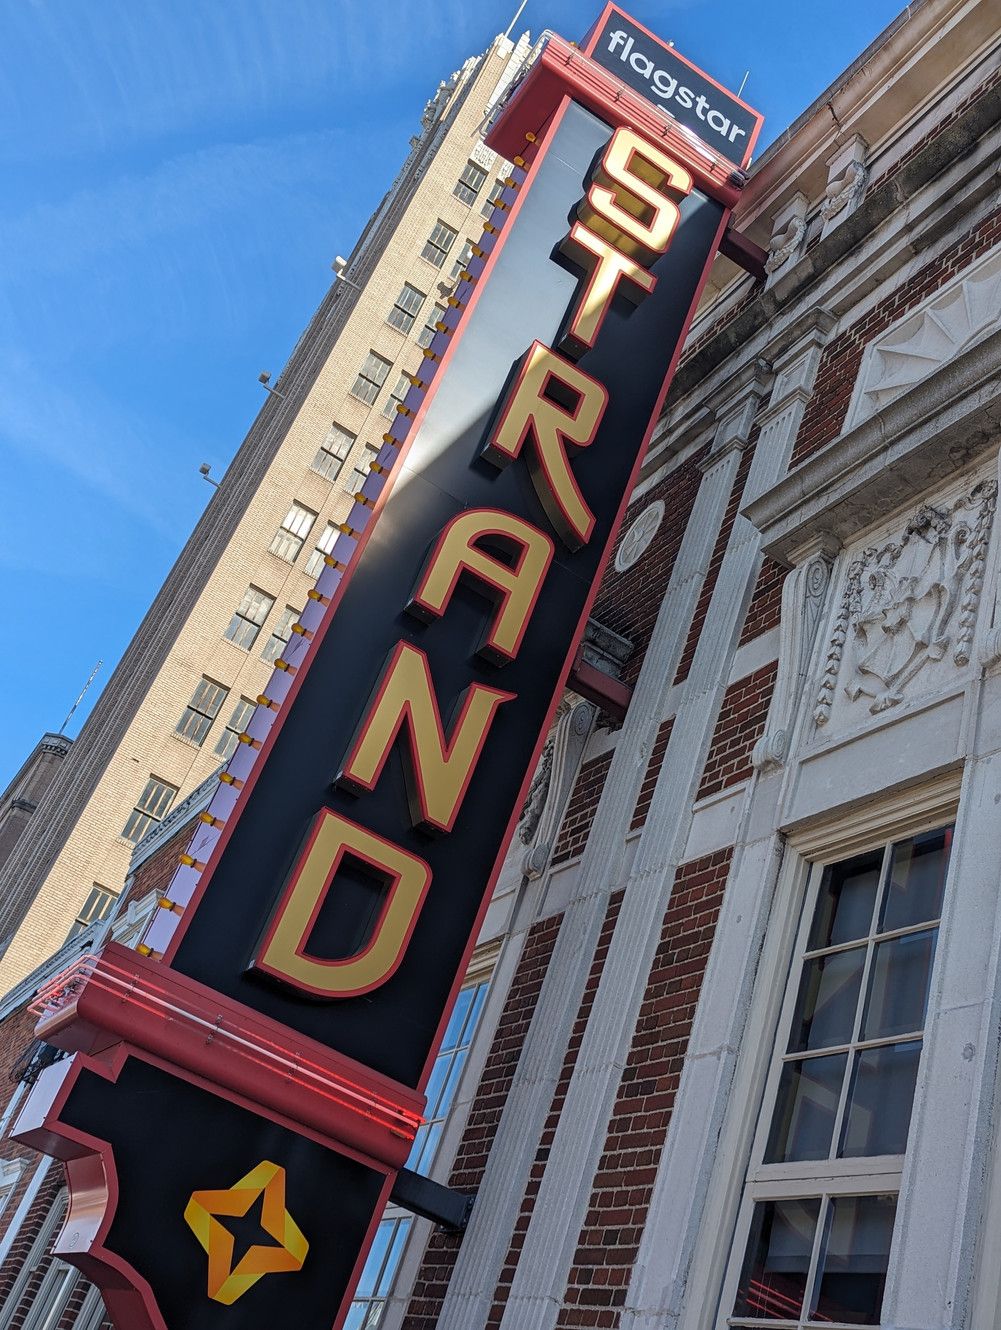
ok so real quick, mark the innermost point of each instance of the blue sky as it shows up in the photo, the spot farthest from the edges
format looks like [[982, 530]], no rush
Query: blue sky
[[177, 176]]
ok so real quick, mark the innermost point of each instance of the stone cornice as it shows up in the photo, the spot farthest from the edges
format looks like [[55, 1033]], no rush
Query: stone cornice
[[933, 431], [878, 206]]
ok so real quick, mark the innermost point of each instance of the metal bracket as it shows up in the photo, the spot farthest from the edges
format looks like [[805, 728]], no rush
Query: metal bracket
[[744, 252], [449, 1209]]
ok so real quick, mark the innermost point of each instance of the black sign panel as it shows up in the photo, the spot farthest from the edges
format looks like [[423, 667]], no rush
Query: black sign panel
[[226, 1214], [393, 1028], [663, 77]]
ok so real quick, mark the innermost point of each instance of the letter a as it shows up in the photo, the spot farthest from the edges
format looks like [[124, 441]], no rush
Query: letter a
[[459, 551]]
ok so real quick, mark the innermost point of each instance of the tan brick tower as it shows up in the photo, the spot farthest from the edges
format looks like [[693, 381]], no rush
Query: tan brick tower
[[172, 710]]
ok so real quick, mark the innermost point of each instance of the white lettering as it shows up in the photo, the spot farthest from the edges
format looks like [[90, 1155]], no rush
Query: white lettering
[[700, 106], [626, 49], [645, 67], [616, 39], [720, 124], [663, 83], [685, 96], [735, 131]]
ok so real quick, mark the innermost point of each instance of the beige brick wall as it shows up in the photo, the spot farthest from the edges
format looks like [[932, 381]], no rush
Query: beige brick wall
[[94, 851]]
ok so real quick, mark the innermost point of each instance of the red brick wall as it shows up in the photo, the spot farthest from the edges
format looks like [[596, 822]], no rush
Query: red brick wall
[[484, 1115], [623, 1184], [741, 723], [765, 609], [982, 88], [629, 602], [581, 807], [559, 1098], [21, 1247], [154, 873], [716, 561], [842, 357], [652, 772]]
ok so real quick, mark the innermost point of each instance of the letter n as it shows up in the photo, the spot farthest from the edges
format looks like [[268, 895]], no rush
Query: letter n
[[438, 767], [403, 879]]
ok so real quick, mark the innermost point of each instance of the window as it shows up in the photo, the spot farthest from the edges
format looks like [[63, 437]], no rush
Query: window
[[235, 726], [405, 311], [496, 190], [293, 533], [333, 451], [820, 1200], [426, 334], [96, 907], [383, 1261], [462, 262], [371, 377], [438, 243], [153, 805], [444, 1080], [280, 634], [355, 481], [469, 183], [197, 717], [314, 564], [246, 622], [395, 398]]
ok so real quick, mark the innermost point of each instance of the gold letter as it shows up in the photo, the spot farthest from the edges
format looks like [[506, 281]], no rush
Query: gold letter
[[532, 409], [516, 586], [405, 878], [626, 203], [439, 769], [606, 267]]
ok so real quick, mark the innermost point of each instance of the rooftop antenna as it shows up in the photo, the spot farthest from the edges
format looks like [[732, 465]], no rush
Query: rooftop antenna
[[517, 16], [69, 716], [743, 83]]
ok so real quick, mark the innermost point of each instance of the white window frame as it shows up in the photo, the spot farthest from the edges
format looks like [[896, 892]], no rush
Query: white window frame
[[50, 1224], [293, 533], [280, 634], [371, 378], [405, 309], [434, 252], [734, 1187], [328, 538], [253, 600], [152, 819], [222, 744], [429, 329], [333, 452], [463, 188]]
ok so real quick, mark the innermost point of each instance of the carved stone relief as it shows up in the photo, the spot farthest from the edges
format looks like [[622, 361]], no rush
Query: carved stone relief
[[639, 535], [550, 789], [788, 230], [803, 594], [953, 319], [844, 190], [908, 603]]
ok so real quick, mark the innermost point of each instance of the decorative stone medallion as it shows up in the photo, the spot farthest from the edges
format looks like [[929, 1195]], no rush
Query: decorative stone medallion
[[639, 535]]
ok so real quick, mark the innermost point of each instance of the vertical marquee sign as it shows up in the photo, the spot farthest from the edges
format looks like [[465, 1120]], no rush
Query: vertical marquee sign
[[247, 1085]]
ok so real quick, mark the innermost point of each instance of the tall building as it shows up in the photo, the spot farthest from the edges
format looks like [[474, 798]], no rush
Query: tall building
[[174, 708]]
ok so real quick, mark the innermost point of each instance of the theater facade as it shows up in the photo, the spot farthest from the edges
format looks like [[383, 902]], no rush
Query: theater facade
[[725, 1052]]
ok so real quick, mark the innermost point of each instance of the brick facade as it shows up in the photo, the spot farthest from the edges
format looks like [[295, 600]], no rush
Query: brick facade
[[741, 723], [581, 808], [642, 1114]]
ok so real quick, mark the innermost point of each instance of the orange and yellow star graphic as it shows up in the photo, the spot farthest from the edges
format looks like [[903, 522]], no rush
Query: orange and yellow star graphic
[[225, 1283]]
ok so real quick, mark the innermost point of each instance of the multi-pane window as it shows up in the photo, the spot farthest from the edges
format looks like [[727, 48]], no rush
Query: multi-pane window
[[444, 1080], [462, 262], [235, 726], [153, 806], [280, 634], [248, 617], [426, 334], [469, 183], [314, 564], [96, 907], [293, 533], [407, 307], [371, 377], [356, 479], [489, 203], [396, 397], [439, 242], [197, 717], [333, 451], [386, 1252], [820, 1201]]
